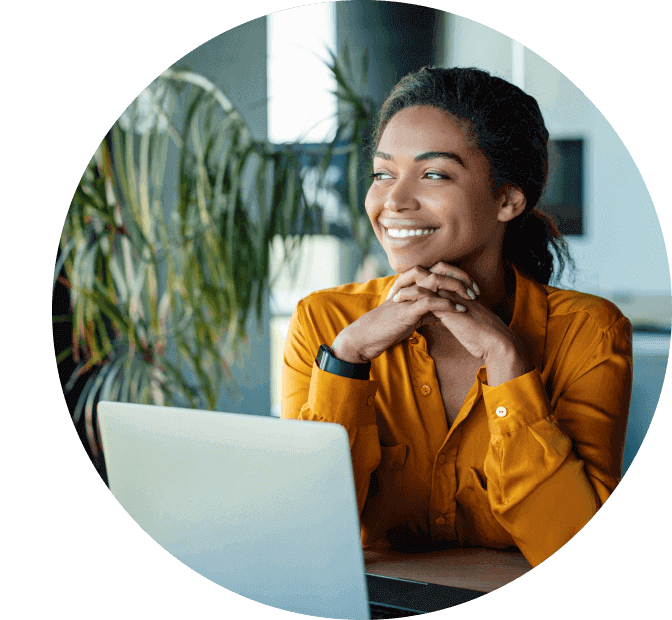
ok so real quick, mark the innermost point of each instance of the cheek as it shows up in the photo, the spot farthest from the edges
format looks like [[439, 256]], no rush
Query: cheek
[[373, 204]]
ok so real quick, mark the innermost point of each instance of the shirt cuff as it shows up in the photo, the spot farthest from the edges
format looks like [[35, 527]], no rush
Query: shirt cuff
[[349, 402], [516, 404]]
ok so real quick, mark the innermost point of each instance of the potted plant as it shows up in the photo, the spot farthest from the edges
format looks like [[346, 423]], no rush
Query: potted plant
[[160, 295]]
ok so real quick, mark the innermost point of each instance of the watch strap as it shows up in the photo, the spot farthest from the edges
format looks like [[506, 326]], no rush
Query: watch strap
[[326, 361]]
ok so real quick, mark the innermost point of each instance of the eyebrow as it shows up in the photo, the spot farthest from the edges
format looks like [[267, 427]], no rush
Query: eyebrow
[[427, 155]]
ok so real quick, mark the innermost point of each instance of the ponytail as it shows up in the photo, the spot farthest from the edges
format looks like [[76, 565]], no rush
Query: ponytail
[[533, 243]]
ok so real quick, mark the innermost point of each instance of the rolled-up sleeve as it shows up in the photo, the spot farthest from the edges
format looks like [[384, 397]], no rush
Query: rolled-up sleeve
[[552, 462]]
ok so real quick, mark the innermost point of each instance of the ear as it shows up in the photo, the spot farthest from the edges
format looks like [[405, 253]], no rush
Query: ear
[[512, 203]]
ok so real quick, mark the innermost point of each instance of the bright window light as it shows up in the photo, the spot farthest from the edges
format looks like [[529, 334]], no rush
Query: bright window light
[[301, 104]]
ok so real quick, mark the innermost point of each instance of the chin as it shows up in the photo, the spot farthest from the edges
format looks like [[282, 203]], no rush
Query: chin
[[400, 265]]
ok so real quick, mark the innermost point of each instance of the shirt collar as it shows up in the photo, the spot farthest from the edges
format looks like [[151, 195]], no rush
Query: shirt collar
[[530, 313]]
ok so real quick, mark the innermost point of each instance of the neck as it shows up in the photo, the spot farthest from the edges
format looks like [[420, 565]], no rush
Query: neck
[[496, 282]]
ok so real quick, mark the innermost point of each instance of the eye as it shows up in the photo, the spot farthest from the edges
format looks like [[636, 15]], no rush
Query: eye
[[380, 176], [376, 176], [437, 175]]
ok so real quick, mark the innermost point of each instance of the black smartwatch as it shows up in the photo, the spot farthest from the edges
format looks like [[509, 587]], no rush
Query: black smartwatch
[[326, 361]]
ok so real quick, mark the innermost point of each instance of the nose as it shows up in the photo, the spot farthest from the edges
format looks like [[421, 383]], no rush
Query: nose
[[401, 197]]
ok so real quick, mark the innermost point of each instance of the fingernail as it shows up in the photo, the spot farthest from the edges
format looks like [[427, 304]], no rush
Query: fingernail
[[476, 289], [471, 293], [395, 298], [460, 308]]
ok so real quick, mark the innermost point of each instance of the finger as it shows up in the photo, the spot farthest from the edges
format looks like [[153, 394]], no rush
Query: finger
[[417, 293], [412, 293], [446, 269], [436, 282], [412, 276], [423, 304], [417, 275]]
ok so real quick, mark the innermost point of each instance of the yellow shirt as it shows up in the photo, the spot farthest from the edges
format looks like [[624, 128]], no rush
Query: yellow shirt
[[526, 463]]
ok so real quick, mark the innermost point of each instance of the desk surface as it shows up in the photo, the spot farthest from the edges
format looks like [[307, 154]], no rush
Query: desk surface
[[473, 568]]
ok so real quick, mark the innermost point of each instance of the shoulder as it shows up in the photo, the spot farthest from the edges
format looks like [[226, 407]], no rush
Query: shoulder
[[583, 307], [357, 294], [356, 297], [344, 304]]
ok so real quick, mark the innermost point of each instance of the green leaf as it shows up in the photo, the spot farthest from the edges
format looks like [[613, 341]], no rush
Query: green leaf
[[81, 401], [63, 355], [178, 289]]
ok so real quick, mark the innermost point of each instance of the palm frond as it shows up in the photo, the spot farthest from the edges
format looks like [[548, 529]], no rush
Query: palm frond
[[162, 297]]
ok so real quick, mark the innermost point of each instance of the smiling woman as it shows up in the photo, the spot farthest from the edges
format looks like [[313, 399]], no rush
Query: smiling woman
[[484, 406], [446, 189]]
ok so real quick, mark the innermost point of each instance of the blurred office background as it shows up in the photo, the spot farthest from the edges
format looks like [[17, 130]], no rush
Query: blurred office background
[[272, 69]]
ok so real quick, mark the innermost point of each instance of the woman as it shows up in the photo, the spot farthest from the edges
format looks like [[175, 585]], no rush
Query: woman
[[484, 407]]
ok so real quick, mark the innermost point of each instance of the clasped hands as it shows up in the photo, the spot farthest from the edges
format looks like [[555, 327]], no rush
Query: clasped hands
[[482, 333], [446, 295]]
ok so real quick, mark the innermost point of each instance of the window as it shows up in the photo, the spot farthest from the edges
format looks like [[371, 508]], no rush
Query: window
[[301, 108], [301, 103]]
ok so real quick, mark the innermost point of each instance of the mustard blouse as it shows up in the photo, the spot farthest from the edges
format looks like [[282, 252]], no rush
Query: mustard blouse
[[525, 464]]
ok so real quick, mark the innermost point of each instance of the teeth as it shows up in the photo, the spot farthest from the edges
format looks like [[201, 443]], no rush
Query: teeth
[[399, 233]]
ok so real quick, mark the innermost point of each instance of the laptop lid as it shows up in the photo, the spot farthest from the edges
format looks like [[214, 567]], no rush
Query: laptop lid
[[263, 507]]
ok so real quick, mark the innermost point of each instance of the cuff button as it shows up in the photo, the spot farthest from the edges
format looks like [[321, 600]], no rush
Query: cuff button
[[369, 400], [501, 411]]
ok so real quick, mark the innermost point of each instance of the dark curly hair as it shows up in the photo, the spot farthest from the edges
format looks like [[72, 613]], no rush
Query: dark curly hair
[[507, 126]]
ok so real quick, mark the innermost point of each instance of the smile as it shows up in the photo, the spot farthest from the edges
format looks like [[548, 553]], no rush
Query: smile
[[399, 233], [397, 238]]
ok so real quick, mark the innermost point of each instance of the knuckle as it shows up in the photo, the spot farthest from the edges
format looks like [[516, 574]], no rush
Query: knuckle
[[452, 271], [436, 279], [424, 303]]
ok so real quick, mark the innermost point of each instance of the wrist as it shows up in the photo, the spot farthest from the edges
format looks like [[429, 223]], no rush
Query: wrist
[[344, 350], [504, 362]]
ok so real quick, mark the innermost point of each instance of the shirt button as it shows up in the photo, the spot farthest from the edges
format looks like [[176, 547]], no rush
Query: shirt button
[[440, 521], [501, 411], [425, 389], [413, 340], [442, 459], [370, 399]]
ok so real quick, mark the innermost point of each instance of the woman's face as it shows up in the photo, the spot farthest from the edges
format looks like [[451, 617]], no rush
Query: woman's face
[[431, 199]]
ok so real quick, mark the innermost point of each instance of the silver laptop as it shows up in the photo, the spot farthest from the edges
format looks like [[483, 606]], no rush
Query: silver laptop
[[263, 507]]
